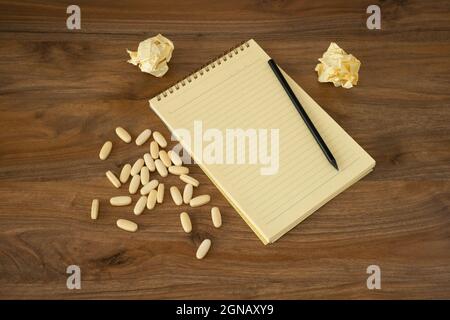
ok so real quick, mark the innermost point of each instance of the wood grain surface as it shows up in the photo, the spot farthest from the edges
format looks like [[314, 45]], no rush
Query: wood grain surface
[[63, 92]]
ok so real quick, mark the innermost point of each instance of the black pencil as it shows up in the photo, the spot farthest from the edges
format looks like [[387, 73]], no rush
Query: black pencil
[[303, 114]]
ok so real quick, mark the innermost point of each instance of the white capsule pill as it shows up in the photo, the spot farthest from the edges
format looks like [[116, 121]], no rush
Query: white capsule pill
[[105, 150], [149, 162], [123, 134], [134, 184], [216, 217], [159, 138], [140, 205], [176, 195], [125, 173], [176, 160], [120, 201], [186, 222], [127, 225], [143, 137], [178, 170], [203, 249], [149, 187], [190, 180], [94, 209], [165, 158], [161, 168], [145, 175], [151, 200], [160, 195], [200, 200], [187, 193], [154, 150], [137, 166], [113, 179]]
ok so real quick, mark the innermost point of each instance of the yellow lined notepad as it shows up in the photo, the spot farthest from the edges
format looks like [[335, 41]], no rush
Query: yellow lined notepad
[[239, 90]]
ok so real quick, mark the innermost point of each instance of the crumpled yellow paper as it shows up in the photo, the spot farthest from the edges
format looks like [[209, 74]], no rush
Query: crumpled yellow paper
[[153, 55], [338, 67]]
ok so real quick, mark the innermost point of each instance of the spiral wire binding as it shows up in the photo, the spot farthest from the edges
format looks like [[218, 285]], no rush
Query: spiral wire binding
[[212, 64]]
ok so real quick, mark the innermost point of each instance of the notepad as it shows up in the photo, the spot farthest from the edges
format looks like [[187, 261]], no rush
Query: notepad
[[239, 91]]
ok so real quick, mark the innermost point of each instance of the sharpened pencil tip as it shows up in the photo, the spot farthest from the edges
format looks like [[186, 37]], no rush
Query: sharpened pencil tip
[[334, 163]]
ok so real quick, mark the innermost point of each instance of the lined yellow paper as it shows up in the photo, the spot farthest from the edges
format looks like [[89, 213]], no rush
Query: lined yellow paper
[[243, 92]]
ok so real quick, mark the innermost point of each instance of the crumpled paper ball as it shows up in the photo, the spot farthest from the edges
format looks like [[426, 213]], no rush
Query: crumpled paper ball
[[153, 55], [338, 67]]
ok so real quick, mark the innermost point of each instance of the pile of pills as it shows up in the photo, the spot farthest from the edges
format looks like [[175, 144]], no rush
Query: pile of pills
[[152, 190]]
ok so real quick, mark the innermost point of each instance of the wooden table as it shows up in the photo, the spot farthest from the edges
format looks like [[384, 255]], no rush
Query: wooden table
[[62, 93]]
